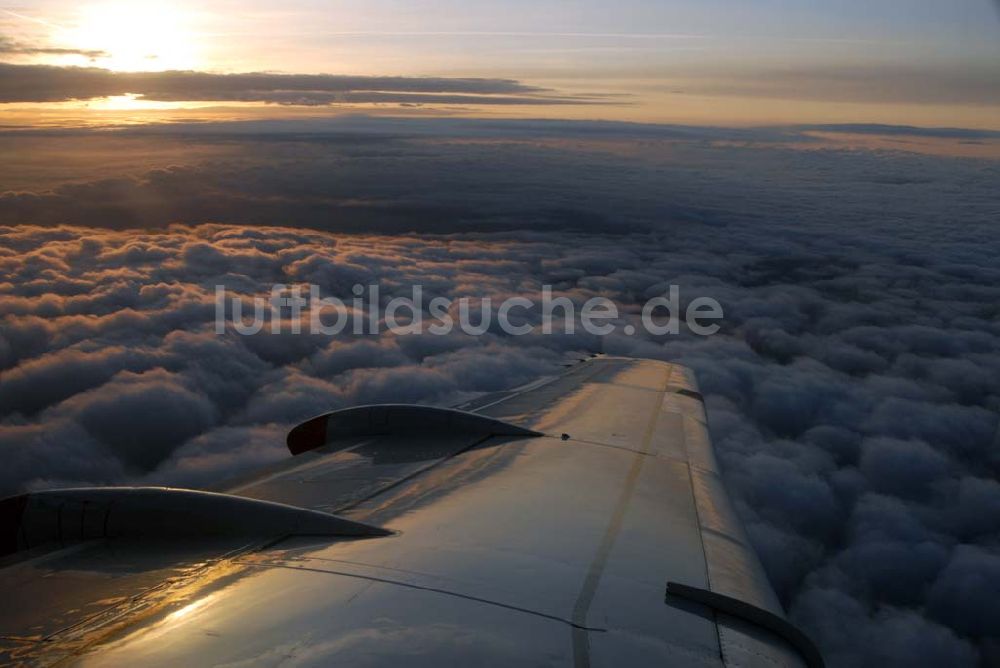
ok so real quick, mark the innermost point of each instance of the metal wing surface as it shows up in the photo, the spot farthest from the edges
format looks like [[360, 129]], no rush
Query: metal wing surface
[[579, 521]]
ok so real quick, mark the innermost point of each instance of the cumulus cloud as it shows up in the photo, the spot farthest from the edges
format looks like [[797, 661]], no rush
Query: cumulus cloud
[[853, 392]]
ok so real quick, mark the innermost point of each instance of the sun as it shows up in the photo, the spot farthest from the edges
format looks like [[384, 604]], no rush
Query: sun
[[137, 35]]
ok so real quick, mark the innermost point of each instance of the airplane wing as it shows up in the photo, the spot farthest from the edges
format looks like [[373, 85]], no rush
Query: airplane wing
[[578, 521]]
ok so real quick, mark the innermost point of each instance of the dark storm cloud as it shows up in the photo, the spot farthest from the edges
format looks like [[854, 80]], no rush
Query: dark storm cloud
[[48, 83], [853, 392]]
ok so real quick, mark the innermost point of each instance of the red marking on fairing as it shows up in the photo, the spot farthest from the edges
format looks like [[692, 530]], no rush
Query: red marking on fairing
[[309, 435]]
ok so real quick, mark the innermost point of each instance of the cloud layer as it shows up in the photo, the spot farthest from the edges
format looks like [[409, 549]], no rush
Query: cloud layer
[[9, 47], [853, 392], [51, 83]]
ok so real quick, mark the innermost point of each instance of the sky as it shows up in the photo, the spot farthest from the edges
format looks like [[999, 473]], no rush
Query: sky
[[722, 62]]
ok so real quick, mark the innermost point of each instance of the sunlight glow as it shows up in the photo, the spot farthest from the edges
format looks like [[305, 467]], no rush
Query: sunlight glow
[[137, 36]]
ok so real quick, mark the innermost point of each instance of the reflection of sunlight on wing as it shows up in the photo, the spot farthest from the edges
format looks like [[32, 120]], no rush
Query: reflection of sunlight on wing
[[189, 608], [137, 36]]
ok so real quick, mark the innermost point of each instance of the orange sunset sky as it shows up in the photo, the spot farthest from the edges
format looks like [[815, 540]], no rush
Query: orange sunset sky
[[720, 62]]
